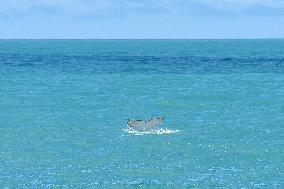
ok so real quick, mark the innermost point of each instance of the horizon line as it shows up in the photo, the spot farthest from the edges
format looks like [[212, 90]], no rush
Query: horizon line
[[264, 38]]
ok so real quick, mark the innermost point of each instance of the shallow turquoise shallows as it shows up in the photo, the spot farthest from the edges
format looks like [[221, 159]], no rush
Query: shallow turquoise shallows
[[63, 105]]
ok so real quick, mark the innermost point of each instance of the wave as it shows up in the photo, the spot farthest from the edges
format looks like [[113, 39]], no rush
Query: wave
[[150, 132]]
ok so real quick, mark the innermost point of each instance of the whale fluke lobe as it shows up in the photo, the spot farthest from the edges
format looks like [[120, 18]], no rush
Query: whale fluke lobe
[[141, 125]]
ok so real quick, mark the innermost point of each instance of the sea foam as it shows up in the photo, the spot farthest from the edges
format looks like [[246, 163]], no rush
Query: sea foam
[[150, 132]]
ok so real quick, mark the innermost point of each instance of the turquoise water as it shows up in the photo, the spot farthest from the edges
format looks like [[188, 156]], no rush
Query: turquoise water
[[63, 105]]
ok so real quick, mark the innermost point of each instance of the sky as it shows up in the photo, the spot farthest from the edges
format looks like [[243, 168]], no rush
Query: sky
[[141, 19]]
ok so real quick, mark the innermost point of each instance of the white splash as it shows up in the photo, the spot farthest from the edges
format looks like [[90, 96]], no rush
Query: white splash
[[150, 132]]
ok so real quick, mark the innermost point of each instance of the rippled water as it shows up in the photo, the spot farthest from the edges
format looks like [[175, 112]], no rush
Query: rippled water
[[63, 105]]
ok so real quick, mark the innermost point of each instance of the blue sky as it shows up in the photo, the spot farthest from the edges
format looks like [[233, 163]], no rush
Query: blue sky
[[141, 19]]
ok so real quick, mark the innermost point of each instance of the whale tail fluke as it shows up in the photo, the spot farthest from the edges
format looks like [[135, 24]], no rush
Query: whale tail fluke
[[142, 125]]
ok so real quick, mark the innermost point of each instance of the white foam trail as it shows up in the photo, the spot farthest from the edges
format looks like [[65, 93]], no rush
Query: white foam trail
[[151, 132]]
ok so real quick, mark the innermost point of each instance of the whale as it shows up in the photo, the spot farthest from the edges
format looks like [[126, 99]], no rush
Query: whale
[[142, 125]]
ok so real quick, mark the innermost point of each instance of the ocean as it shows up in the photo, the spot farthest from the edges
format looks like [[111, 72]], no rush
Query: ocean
[[63, 105]]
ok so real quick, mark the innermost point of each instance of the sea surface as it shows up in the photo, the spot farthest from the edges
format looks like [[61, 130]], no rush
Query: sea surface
[[63, 105]]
